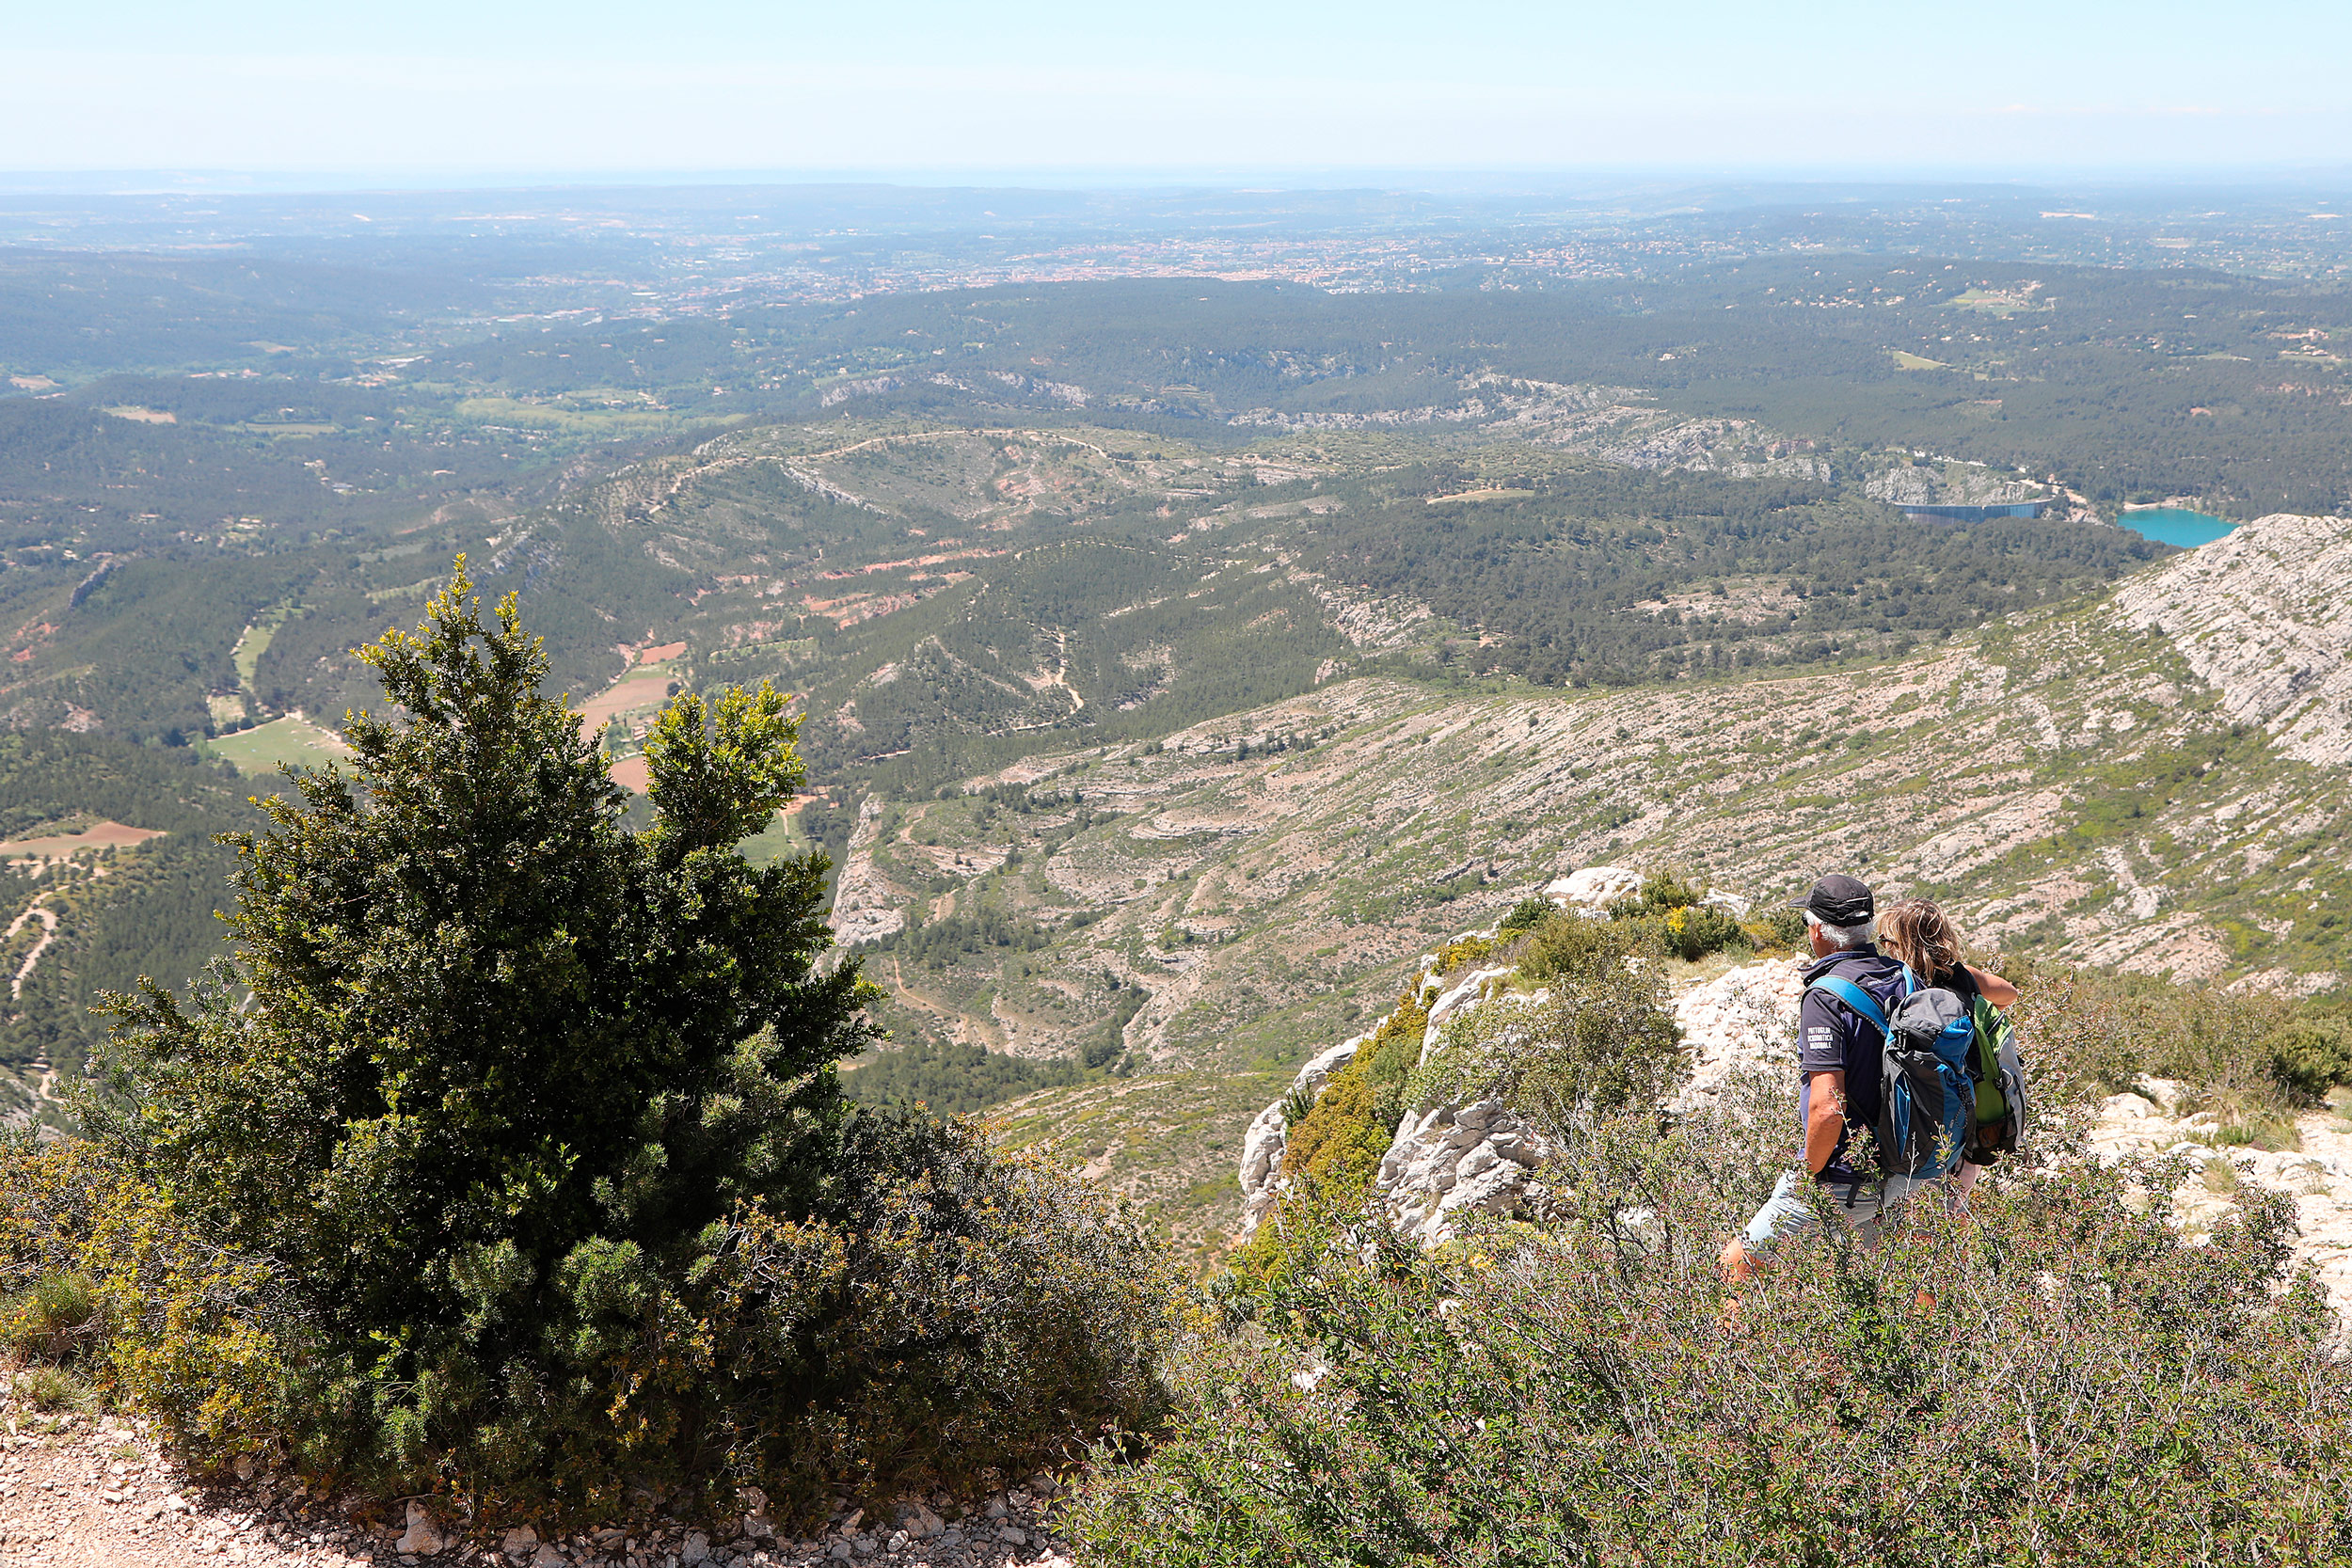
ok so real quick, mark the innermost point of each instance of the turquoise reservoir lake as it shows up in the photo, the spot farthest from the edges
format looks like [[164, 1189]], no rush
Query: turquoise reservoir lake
[[2176, 524]]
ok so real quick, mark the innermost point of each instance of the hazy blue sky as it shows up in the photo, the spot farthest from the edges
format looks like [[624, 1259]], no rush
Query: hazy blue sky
[[999, 85]]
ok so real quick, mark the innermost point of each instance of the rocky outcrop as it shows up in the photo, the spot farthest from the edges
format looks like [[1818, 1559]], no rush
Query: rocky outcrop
[[2262, 615], [1447, 1160], [1951, 484], [1740, 1023], [1593, 889], [2155, 1119], [1455, 1160], [1262, 1145], [865, 905], [1470, 989]]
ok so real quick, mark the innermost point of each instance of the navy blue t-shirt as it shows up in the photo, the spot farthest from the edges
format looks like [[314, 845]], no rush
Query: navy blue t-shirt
[[1833, 1037]]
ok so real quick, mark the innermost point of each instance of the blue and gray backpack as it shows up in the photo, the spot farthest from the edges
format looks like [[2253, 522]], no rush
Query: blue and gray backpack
[[1927, 1094]]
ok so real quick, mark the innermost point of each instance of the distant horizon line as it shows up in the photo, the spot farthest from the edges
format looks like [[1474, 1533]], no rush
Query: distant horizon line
[[1464, 180]]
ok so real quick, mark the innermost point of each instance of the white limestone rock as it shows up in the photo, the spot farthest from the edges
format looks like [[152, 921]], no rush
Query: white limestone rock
[[2317, 1176], [1449, 1160], [424, 1535], [1470, 989], [2261, 615], [1591, 890], [864, 907], [1262, 1149], [1739, 1023]]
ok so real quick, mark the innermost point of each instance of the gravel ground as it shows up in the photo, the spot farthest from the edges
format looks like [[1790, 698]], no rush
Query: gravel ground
[[95, 1494]]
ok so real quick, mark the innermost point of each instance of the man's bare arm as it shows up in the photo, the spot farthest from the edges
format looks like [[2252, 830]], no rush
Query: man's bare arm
[[1824, 1117]]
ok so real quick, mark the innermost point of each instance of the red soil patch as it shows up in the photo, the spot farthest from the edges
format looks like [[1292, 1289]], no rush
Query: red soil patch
[[661, 655], [639, 691], [57, 846], [634, 775]]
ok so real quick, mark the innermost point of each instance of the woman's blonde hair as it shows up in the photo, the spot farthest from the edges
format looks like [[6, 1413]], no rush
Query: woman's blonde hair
[[1922, 936]]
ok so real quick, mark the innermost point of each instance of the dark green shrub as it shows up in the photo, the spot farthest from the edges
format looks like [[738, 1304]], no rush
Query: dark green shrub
[[2056, 1379], [1693, 931], [947, 1309], [2310, 1057], [1682, 927], [524, 1169], [1663, 889], [1572, 946], [1528, 913]]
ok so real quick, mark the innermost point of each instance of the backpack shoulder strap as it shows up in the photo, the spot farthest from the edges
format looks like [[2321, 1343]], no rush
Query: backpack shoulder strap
[[1856, 997]]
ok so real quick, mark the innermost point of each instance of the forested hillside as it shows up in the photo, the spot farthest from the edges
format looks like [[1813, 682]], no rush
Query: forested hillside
[[103, 917]]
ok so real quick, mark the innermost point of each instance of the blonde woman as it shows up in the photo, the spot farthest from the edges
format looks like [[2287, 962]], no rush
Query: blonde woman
[[1922, 936]]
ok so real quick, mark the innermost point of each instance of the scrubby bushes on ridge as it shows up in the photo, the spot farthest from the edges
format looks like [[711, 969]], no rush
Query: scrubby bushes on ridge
[[2253, 1058], [2055, 1379], [1335, 1141], [1599, 1040]]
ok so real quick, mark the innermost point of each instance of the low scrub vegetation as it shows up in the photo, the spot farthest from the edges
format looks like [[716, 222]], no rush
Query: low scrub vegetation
[[2054, 1379], [2255, 1059], [2051, 1376]]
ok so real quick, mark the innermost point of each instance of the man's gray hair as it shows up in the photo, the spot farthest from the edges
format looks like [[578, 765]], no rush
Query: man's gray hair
[[1843, 937]]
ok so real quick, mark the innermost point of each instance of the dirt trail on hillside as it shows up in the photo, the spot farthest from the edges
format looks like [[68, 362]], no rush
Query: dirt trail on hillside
[[958, 1024], [48, 918]]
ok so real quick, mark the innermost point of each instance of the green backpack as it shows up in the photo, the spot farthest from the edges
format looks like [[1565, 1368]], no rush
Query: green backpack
[[2000, 1076]]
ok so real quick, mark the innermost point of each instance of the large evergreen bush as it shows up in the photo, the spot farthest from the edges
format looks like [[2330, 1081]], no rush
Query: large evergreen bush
[[516, 1138]]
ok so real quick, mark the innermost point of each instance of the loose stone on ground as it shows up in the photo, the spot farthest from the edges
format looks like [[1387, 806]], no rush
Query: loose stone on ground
[[76, 1493]]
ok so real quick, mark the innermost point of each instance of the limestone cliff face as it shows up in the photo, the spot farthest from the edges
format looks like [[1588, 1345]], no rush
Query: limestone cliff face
[[2263, 615], [865, 905]]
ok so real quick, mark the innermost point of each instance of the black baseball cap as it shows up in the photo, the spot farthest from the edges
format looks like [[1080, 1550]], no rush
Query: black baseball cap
[[1837, 900]]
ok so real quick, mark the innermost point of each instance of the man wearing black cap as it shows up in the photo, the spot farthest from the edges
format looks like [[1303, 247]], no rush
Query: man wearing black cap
[[1837, 1063]]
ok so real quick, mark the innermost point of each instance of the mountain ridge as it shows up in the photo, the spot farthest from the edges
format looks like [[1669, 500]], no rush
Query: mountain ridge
[[2065, 779]]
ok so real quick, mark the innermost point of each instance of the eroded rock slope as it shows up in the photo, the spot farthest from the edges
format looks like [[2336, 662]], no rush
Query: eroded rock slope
[[2113, 783]]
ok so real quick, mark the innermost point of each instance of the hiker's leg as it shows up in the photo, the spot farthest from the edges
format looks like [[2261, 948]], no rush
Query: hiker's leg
[[1869, 1209], [1785, 1214], [1788, 1212], [1963, 1180], [1900, 1190]]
